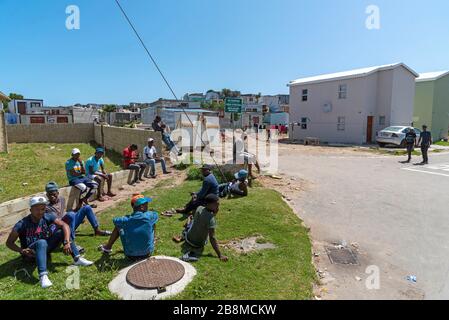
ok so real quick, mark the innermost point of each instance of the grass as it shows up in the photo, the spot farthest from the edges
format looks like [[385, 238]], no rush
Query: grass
[[282, 273], [28, 167], [442, 143]]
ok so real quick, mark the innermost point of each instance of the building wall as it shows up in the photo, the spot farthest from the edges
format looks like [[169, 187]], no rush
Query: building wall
[[3, 136], [57, 133], [322, 124], [424, 104], [440, 117], [403, 95]]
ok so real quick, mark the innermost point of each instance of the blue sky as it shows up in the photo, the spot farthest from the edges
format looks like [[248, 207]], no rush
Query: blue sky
[[248, 45]]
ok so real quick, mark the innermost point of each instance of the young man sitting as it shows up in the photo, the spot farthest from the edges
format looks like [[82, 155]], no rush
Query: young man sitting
[[40, 234], [56, 205], [136, 231], [75, 174], [130, 156], [96, 171], [151, 158], [210, 186], [200, 227], [238, 187]]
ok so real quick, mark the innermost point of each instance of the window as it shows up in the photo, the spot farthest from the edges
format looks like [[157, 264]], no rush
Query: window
[[341, 124], [342, 91], [35, 105], [305, 95], [304, 123], [382, 120]]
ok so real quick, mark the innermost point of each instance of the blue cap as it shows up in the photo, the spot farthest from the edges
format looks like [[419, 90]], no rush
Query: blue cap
[[142, 201], [98, 150], [51, 187], [242, 174]]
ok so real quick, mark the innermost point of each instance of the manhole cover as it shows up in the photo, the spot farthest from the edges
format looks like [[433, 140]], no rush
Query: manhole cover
[[341, 256], [155, 274]]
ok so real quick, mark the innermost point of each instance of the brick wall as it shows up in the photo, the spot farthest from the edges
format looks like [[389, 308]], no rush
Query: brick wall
[[53, 133], [3, 136], [117, 138]]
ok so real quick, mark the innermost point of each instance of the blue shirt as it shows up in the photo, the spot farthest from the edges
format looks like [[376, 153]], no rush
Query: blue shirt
[[30, 232], [92, 162], [137, 233], [210, 186], [72, 164], [426, 138]]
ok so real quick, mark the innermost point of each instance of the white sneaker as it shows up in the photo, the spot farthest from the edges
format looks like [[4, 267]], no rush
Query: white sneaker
[[81, 262], [45, 282]]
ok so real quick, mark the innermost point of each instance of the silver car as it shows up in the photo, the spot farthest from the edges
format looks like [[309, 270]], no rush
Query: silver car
[[395, 136]]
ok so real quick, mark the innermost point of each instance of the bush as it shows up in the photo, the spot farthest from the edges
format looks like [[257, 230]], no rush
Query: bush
[[194, 173]]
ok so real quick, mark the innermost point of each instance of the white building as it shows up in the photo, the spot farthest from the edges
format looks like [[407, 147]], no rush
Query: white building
[[32, 111], [350, 107]]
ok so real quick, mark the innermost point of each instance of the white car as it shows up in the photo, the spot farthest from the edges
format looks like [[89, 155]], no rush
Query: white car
[[394, 135]]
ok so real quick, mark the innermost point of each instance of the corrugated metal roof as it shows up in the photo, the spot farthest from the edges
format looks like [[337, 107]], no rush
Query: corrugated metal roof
[[431, 76], [349, 74]]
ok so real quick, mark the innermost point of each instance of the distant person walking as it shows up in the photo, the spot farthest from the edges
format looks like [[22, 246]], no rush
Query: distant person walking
[[425, 140], [410, 142]]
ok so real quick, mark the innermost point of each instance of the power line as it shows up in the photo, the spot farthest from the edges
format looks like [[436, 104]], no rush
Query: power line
[[165, 79]]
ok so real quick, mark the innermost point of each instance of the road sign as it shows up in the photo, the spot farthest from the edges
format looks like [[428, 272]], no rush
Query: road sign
[[233, 105]]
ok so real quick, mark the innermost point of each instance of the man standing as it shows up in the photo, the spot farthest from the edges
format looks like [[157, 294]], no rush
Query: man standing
[[200, 227], [40, 234], [410, 142], [425, 140], [130, 156], [95, 171], [57, 207], [75, 174], [151, 158], [136, 231], [210, 186]]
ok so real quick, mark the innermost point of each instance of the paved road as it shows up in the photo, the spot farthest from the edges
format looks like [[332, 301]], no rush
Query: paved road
[[397, 213]]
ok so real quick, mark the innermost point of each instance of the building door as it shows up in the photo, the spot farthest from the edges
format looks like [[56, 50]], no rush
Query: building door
[[369, 129], [22, 107]]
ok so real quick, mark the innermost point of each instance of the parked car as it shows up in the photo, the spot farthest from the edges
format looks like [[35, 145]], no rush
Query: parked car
[[395, 136]]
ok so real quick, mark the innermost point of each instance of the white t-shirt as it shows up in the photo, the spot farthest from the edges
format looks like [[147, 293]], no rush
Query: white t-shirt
[[149, 152]]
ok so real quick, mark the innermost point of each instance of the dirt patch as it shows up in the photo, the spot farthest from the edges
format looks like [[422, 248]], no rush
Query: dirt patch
[[248, 245]]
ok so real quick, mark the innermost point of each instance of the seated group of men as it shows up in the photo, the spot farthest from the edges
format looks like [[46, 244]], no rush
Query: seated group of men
[[151, 157], [48, 226]]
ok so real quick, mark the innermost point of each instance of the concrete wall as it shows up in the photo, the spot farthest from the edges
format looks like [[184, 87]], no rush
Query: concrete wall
[[117, 138], [424, 104], [57, 133], [3, 135], [440, 122], [403, 97], [14, 210]]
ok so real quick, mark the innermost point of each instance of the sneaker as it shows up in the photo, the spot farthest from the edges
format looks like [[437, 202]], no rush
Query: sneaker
[[82, 262], [45, 282], [104, 250], [188, 258]]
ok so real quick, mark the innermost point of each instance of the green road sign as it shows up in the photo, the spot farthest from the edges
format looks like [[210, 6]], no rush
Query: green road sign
[[233, 105]]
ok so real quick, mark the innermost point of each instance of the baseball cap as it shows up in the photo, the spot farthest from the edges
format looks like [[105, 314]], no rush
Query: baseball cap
[[150, 140], [51, 187], [142, 201], [99, 150], [76, 151], [207, 167], [135, 198], [37, 200], [242, 174]]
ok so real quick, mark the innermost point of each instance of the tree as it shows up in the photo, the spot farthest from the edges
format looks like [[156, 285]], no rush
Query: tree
[[12, 96], [110, 108]]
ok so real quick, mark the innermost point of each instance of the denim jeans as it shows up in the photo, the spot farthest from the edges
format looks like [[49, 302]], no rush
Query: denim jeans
[[44, 246], [75, 219], [152, 164], [168, 141]]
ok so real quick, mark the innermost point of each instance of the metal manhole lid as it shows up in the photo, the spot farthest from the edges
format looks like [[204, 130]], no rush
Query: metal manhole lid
[[341, 256], [155, 273]]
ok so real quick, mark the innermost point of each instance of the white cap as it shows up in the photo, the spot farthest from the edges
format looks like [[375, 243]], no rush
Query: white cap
[[76, 151], [150, 140], [37, 200]]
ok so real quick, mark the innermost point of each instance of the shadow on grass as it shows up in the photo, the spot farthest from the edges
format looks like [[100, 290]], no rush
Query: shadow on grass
[[115, 157], [22, 270]]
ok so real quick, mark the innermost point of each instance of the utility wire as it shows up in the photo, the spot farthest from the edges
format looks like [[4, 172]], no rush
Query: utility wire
[[165, 80]]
